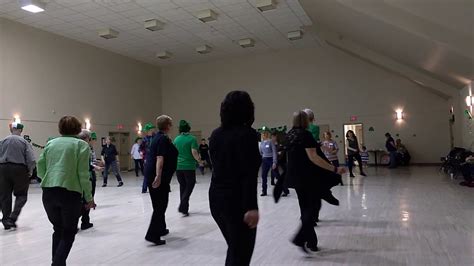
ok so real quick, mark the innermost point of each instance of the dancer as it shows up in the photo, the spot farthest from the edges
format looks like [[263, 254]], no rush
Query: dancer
[[161, 161], [269, 159], [188, 157], [204, 152], [149, 130], [312, 127], [137, 156], [353, 152], [392, 150], [305, 168], [86, 136], [233, 192], [110, 159], [64, 168], [17, 162], [281, 164], [330, 149]]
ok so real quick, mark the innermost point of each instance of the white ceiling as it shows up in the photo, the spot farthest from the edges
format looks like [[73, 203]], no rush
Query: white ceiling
[[80, 20], [435, 37]]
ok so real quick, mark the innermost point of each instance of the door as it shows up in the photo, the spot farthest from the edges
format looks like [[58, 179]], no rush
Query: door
[[358, 130], [121, 140]]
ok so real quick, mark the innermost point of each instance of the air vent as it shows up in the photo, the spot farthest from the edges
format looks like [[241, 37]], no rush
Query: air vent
[[154, 25], [207, 15], [295, 35], [265, 5], [164, 55], [205, 49], [108, 33], [245, 43]]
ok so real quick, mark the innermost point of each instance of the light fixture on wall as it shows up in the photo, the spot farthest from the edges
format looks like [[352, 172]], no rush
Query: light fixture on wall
[[33, 6], [469, 100], [140, 128], [16, 119], [88, 123], [399, 113]]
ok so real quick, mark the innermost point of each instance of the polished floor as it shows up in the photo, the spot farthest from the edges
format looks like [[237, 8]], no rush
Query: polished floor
[[408, 216]]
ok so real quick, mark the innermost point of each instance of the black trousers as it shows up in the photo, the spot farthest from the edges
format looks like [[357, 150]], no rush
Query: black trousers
[[63, 208], [13, 179], [350, 162], [85, 218], [159, 200], [138, 166], [307, 200], [467, 170], [229, 217], [187, 181]]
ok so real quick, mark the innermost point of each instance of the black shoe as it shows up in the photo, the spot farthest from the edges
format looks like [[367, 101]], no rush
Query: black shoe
[[120, 184], [329, 198], [363, 174], [6, 225], [285, 194], [311, 251], [86, 226], [104, 185], [186, 214], [352, 175], [143, 192], [263, 194], [166, 232], [158, 242]]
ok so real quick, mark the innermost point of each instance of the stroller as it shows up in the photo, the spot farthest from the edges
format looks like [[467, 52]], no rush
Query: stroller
[[451, 164]]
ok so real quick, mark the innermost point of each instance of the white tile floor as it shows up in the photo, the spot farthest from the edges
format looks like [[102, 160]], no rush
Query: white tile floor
[[406, 216]]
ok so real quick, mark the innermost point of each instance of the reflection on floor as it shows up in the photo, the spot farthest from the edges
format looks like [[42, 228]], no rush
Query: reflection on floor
[[410, 216]]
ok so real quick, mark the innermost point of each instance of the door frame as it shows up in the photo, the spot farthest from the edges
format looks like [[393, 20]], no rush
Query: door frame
[[344, 135]]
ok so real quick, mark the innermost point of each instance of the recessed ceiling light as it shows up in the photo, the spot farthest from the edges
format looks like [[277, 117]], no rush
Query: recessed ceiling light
[[164, 55], [33, 6], [245, 43], [204, 49], [154, 25], [265, 5], [295, 35], [108, 33], [207, 15]]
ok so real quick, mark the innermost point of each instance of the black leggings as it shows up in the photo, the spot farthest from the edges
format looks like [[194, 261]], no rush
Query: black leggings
[[309, 201], [351, 158], [138, 166]]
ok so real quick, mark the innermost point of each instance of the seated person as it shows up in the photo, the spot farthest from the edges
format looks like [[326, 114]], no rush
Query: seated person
[[467, 170], [403, 155]]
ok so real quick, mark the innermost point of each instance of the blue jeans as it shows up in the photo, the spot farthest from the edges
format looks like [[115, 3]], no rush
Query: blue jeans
[[393, 159], [267, 164], [113, 166], [145, 184]]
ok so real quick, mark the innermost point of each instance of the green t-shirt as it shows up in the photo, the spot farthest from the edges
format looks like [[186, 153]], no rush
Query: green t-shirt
[[314, 129], [184, 143]]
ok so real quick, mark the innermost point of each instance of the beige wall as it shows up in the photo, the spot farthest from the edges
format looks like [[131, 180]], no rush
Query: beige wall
[[467, 124], [335, 85], [44, 76]]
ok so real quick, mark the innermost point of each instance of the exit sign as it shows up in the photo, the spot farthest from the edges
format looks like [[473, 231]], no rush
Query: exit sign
[[353, 118], [120, 126]]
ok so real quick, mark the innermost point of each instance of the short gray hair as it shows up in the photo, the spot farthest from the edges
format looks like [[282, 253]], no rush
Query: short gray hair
[[85, 135], [163, 121], [310, 114]]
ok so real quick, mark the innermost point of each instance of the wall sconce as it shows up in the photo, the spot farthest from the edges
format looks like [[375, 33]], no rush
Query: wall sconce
[[399, 113], [139, 128], [469, 100], [16, 119], [88, 124]]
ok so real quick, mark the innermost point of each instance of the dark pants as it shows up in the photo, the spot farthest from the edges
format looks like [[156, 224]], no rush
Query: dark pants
[[187, 181], [393, 159], [85, 219], [208, 162], [267, 164], [159, 200], [112, 166], [350, 162], [138, 166], [467, 171], [307, 200], [63, 208], [229, 216], [13, 179], [276, 174]]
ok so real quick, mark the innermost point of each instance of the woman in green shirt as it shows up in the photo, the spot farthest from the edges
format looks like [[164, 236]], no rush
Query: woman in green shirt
[[188, 157], [64, 169]]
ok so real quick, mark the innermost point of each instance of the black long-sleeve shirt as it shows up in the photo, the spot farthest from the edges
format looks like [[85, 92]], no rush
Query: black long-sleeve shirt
[[236, 160]]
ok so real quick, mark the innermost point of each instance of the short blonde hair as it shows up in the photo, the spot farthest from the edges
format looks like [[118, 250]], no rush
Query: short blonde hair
[[163, 121]]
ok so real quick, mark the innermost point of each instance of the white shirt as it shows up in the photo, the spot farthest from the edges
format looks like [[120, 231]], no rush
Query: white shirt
[[135, 152]]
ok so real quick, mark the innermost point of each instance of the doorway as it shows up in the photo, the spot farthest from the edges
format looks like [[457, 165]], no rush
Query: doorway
[[358, 130], [121, 140]]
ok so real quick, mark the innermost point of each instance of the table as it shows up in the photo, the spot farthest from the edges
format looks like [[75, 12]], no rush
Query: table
[[375, 155]]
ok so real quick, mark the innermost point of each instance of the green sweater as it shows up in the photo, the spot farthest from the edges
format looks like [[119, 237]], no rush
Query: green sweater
[[65, 163], [185, 143]]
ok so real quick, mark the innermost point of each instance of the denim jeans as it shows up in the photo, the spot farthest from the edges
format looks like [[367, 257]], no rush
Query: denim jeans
[[113, 166], [267, 164]]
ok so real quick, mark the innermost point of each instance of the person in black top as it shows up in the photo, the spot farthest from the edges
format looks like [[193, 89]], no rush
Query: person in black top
[[111, 161], [204, 152], [280, 176], [233, 192], [306, 172], [160, 165], [392, 149], [353, 152]]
